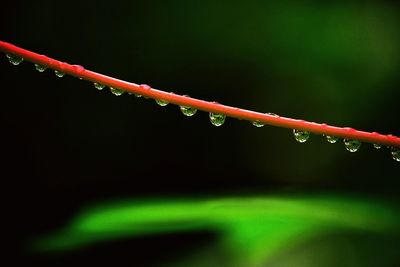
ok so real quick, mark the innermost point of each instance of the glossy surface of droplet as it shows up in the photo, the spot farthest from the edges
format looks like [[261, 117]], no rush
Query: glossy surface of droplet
[[136, 95], [99, 86], [395, 153], [352, 145], [59, 73], [13, 59], [40, 68], [331, 139], [116, 91], [272, 114], [217, 119], [377, 146], [188, 111], [161, 102], [78, 68], [258, 124], [301, 136]]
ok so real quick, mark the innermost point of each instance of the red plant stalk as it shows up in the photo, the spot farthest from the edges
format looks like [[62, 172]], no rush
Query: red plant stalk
[[213, 107]]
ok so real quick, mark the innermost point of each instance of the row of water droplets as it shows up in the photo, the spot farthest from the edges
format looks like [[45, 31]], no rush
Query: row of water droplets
[[350, 145], [219, 119], [16, 60]]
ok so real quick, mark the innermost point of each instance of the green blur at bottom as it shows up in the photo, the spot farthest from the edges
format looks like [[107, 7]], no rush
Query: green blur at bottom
[[253, 230]]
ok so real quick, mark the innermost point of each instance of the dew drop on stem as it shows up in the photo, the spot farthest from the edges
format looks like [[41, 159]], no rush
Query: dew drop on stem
[[188, 111], [377, 146], [395, 153], [217, 119], [59, 74], [258, 124], [331, 139], [352, 145], [40, 68], [99, 86], [116, 92], [161, 102], [14, 59], [301, 136]]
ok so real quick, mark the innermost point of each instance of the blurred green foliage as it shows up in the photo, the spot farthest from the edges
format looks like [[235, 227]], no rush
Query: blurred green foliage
[[253, 230]]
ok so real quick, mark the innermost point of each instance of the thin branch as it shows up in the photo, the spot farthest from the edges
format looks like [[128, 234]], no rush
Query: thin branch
[[213, 107]]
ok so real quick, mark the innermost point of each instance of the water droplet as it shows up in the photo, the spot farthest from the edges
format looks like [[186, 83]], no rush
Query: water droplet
[[331, 139], [258, 123], [272, 114], [116, 91], [395, 153], [161, 102], [78, 68], [301, 136], [99, 86], [352, 145], [15, 60], [40, 68], [59, 73], [217, 119], [136, 95], [145, 86], [377, 146], [188, 111]]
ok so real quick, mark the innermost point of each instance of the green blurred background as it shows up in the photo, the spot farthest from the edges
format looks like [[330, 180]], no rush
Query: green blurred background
[[67, 145]]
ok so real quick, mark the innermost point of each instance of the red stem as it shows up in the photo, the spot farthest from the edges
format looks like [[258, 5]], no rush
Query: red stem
[[80, 72]]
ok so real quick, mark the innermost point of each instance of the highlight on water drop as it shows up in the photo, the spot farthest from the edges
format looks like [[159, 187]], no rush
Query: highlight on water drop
[[40, 68], [161, 102], [59, 74], [99, 86], [257, 123], [377, 146], [301, 136], [14, 59], [136, 95], [116, 91], [395, 153], [188, 111], [332, 139], [217, 119], [352, 145]]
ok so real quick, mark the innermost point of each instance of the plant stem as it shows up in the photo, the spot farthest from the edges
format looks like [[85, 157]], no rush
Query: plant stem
[[243, 114]]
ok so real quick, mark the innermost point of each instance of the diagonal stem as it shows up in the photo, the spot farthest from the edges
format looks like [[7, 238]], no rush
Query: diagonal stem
[[243, 114]]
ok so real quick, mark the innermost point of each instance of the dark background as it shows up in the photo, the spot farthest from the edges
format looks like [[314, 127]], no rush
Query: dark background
[[66, 145]]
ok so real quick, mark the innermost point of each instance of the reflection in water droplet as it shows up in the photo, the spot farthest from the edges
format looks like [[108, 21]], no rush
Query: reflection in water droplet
[[301, 136], [395, 153], [59, 73], [40, 68], [99, 86], [352, 145], [377, 146], [116, 91], [273, 114], [161, 102], [331, 139], [188, 111], [217, 119], [130, 93], [13, 59], [258, 124]]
